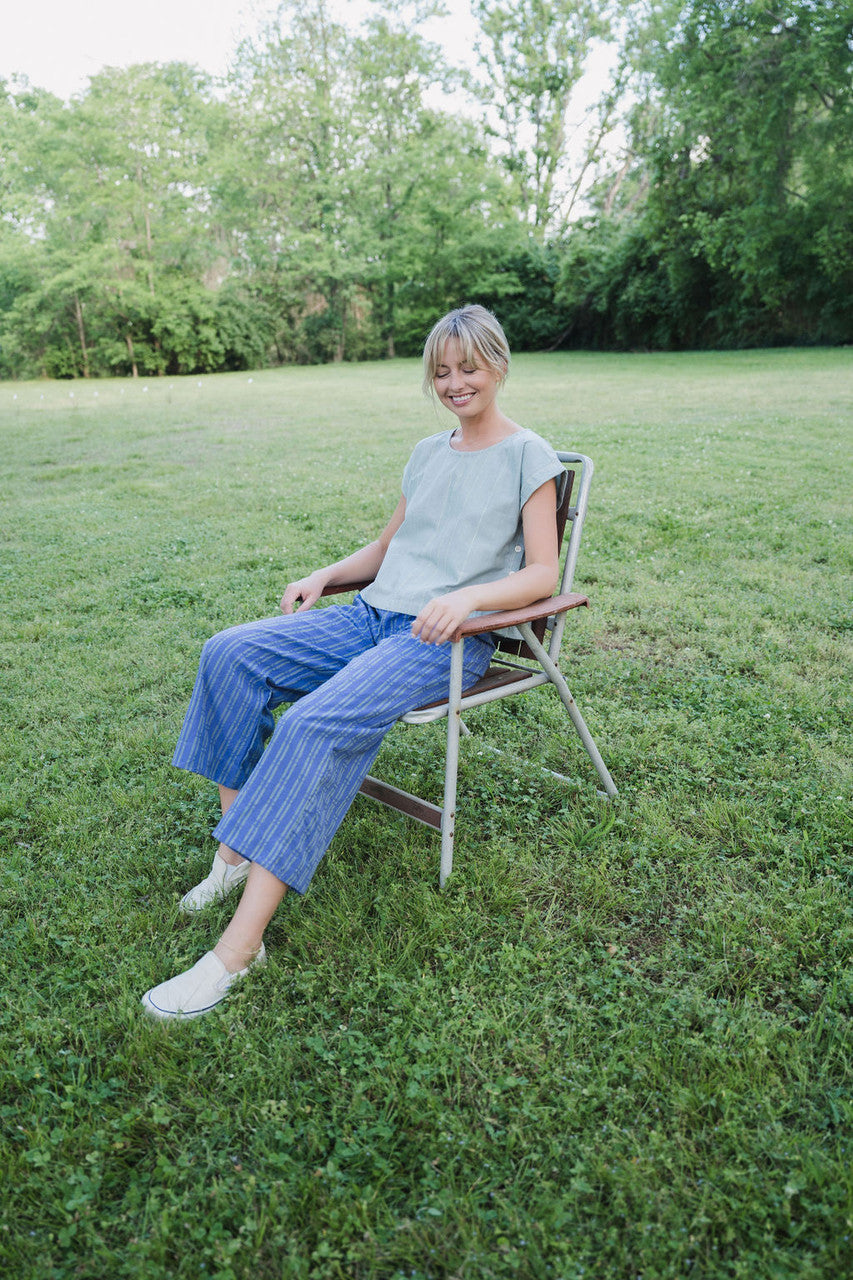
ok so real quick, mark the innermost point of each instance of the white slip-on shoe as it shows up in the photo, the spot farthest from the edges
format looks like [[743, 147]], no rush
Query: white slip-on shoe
[[197, 990], [216, 885]]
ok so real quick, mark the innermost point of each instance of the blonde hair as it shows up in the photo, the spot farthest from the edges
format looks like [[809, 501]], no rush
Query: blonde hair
[[481, 341]]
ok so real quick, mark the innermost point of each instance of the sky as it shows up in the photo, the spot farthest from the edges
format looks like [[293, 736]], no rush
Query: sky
[[59, 44]]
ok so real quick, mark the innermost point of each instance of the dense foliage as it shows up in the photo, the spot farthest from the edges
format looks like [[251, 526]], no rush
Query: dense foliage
[[319, 205], [733, 227]]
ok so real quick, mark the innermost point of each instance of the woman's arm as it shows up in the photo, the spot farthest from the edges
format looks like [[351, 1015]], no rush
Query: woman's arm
[[437, 621], [361, 566]]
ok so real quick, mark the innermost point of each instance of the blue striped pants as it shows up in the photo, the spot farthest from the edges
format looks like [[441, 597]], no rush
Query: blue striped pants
[[350, 672]]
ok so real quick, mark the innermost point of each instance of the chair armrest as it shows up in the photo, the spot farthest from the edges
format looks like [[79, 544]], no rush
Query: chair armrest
[[339, 588], [490, 621], [512, 617]]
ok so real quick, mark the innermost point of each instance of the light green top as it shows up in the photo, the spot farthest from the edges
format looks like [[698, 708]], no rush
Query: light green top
[[463, 518]]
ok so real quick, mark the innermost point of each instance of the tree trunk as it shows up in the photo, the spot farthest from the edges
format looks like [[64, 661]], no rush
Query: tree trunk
[[81, 333], [149, 243], [340, 349], [133, 367], [389, 315]]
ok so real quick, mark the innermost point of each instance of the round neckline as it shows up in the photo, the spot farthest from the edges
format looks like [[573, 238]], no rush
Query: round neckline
[[486, 448]]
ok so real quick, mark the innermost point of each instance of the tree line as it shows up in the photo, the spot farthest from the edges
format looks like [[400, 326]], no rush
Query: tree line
[[330, 197]]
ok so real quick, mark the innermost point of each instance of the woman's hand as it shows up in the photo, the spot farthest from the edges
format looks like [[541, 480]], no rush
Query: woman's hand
[[438, 620], [308, 590]]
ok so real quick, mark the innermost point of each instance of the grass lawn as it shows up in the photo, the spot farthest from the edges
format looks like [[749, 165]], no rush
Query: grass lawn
[[618, 1045]]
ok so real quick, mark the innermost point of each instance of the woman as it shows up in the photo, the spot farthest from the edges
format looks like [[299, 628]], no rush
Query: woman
[[474, 531]]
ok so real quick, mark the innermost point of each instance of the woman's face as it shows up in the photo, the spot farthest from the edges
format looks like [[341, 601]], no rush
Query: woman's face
[[467, 388]]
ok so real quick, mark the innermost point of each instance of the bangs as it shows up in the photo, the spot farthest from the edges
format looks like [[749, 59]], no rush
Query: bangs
[[482, 342]]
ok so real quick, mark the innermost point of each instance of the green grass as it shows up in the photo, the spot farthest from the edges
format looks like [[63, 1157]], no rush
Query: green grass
[[618, 1044]]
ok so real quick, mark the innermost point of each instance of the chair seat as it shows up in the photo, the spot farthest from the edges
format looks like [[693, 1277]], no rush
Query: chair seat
[[495, 684], [497, 677]]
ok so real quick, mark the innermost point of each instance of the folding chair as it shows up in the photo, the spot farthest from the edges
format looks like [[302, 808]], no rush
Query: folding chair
[[506, 676]]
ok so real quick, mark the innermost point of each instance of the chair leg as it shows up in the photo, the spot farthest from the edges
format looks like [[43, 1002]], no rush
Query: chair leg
[[557, 679], [451, 769]]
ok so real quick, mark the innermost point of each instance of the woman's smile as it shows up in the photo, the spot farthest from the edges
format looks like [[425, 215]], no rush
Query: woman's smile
[[461, 383]]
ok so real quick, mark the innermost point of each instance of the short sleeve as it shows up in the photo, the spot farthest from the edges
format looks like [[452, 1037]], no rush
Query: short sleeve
[[539, 463], [414, 468]]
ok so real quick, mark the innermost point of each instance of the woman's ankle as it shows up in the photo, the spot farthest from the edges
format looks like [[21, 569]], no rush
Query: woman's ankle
[[230, 856], [236, 958]]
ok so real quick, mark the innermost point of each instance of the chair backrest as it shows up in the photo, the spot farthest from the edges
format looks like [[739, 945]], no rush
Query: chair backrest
[[578, 476]]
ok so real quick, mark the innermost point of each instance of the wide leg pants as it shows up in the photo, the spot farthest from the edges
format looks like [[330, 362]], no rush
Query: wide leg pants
[[350, 672]]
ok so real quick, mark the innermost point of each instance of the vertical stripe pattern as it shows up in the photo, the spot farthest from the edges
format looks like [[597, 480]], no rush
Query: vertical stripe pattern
[[349, 671]]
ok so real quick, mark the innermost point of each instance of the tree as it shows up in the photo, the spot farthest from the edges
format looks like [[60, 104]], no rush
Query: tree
[[733, 225], [118, 223], [761, 147], [426, 193], [286, 186], [357, 194], [533, 54]]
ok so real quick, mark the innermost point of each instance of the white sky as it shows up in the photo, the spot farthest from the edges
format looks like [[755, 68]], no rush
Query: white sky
[[59, 44]]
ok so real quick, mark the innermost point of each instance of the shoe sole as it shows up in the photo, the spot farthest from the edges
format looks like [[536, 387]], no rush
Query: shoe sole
[[178, 1015]]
